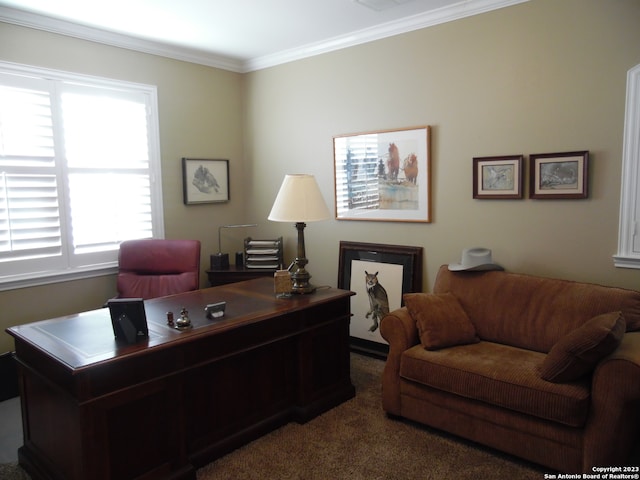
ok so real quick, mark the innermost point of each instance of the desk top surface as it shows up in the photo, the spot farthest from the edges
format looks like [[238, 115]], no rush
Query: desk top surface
[[84, 339]]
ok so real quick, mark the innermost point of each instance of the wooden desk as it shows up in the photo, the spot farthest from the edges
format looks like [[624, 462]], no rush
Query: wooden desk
[[162, 408], [236, 273]]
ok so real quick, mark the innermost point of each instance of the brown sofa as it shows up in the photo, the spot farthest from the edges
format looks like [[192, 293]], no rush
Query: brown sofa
[[535, 367]]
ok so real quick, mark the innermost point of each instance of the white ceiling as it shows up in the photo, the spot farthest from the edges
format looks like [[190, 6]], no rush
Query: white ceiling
[[238, 35]]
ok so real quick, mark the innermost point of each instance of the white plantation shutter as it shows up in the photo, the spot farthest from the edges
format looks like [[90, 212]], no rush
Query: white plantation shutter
[[78, 161], [29, 207], [107, 158], [100, 219], [30, 217]]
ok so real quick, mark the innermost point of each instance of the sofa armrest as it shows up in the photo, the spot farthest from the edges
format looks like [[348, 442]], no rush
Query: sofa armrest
[[401, 331], [615, 405], [628, 350]]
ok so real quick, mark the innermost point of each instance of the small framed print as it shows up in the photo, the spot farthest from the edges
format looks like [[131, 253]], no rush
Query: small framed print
[[559, 175], [498, 177], [205, 181]]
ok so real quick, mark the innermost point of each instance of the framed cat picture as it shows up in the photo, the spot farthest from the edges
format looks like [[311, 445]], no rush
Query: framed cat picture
[[379, 275]]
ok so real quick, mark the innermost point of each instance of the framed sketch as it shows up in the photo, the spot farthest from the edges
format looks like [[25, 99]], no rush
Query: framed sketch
[[498, 177], [559, 175], [205, 181], [383, 175], [379, 275]]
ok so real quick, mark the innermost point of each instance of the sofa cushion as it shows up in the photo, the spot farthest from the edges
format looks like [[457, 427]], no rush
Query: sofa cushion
[[440, 319], [577, 353], [533, 312], [499, 375]]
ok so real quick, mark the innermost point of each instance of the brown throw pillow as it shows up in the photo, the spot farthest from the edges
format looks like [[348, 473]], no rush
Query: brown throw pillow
[[441, 320], [578, 352]]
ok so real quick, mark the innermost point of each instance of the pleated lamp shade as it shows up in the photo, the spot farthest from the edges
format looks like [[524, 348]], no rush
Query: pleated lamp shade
[[299, 200]]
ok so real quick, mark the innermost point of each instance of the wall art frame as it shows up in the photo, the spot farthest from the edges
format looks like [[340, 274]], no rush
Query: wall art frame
[[397, 268], [559, 175], [498, 177], [205, 181], [383, 175]]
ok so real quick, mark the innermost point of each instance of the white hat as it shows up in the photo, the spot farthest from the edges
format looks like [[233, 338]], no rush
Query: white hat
[[475, 259]]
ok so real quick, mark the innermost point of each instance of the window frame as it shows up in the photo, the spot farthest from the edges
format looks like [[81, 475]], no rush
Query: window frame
[[72, 271], [628, 256]]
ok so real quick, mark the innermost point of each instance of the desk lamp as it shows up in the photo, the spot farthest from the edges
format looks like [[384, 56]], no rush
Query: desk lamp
[[220, 261], [299, 200]]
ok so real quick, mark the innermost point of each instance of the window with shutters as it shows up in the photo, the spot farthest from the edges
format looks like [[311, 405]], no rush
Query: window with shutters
[[79, 173], [628, 255]]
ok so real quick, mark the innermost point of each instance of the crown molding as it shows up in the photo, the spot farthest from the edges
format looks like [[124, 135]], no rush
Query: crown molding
[[462, 9], [63, 27], [457, 11]]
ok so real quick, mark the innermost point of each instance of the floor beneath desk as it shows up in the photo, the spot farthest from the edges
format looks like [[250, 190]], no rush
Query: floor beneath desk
[[11, 430]]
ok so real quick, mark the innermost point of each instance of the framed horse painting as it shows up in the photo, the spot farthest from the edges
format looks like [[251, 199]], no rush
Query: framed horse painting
[[383, 176]]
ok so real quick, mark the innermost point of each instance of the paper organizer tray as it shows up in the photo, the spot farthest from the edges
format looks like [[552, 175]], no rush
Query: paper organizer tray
[[263, 254]]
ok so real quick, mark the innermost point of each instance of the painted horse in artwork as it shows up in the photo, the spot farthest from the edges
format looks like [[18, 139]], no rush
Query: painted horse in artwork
[[410, 168], [393, 162]]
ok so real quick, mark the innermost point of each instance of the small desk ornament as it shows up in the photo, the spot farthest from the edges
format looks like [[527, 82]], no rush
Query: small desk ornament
[[184, 322]]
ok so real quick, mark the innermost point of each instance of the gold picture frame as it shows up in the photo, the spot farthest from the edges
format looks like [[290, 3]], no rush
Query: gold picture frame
[[383, 175]]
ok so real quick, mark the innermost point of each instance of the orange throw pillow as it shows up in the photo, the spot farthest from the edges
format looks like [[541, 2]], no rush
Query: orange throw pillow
[[441, 320], [578, 352]]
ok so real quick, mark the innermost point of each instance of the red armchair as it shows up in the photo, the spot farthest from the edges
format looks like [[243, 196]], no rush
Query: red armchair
[[152, 268]]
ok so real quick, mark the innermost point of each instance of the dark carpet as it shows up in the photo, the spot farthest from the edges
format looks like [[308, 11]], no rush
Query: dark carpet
[[356, 440]]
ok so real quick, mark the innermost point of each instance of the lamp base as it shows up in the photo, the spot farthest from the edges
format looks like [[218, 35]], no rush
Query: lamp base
[[302, 289], [220, 261], [300, 278]]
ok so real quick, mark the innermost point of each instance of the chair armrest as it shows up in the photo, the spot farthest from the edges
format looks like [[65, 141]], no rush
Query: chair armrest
[[614, 418], [401, 331]]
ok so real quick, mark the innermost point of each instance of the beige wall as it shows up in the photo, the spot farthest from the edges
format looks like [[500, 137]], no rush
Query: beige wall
[[200, 116], [544, 76]]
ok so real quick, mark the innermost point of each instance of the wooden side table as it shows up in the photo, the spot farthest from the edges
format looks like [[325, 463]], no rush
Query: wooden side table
[[236, 273]]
